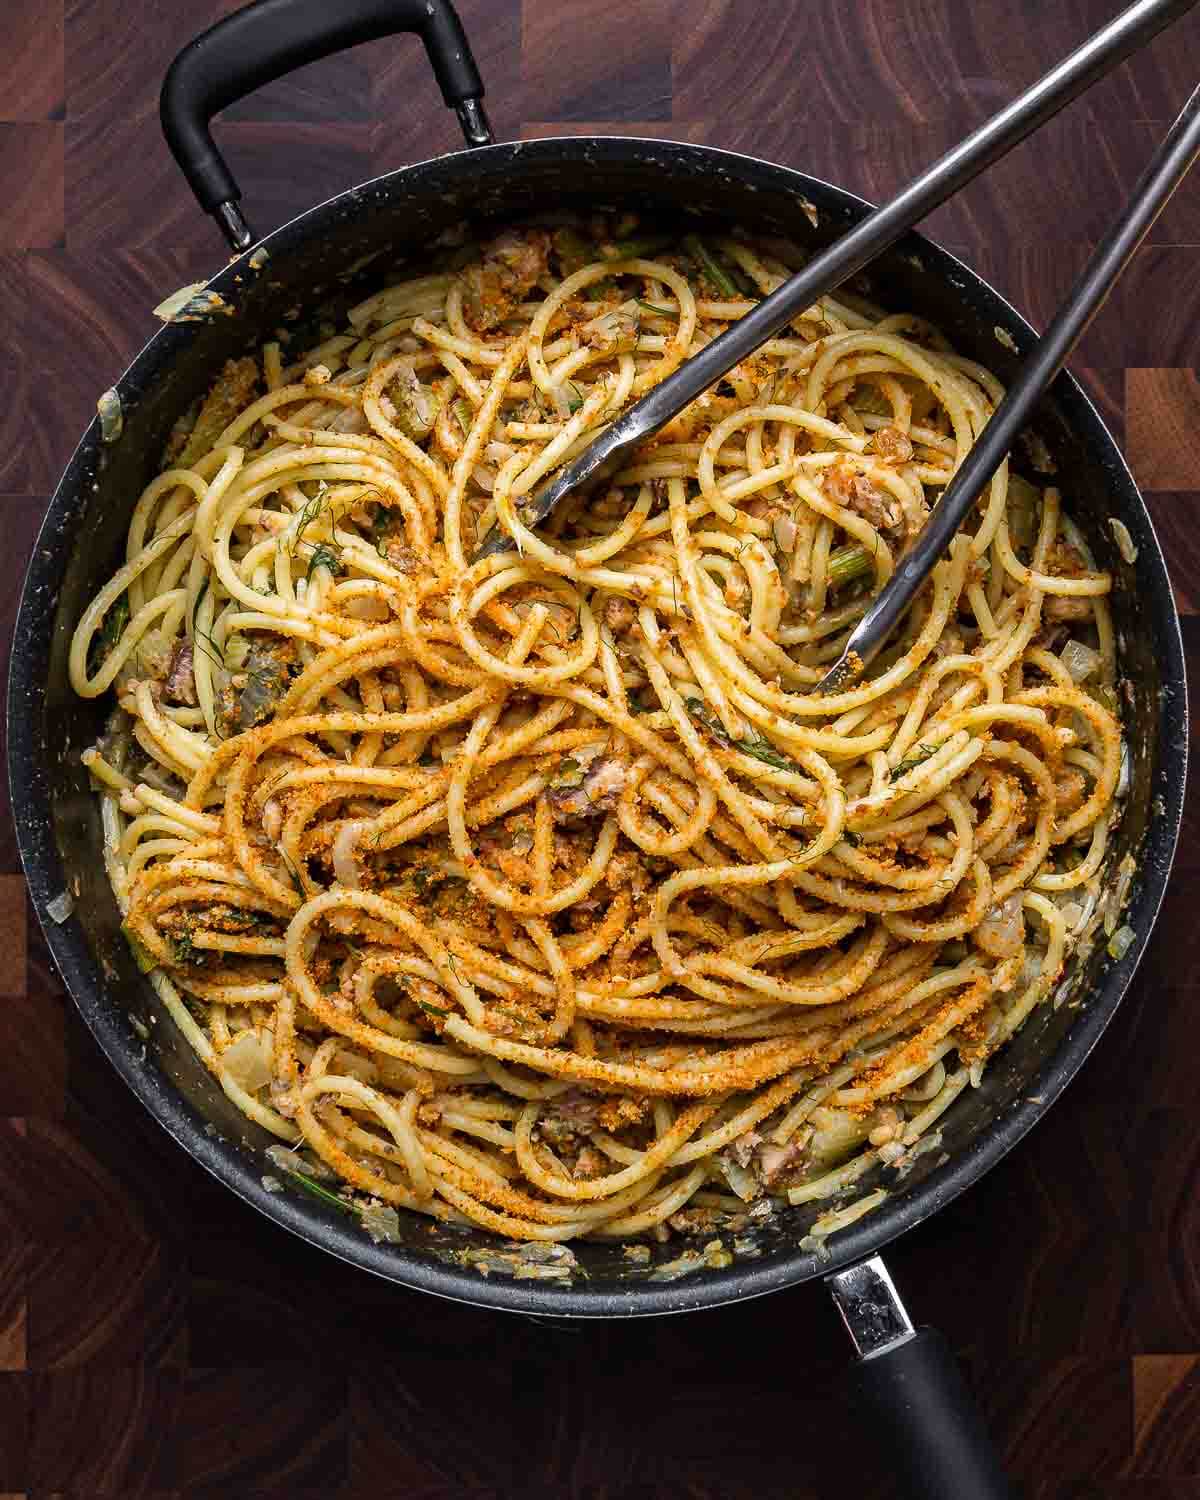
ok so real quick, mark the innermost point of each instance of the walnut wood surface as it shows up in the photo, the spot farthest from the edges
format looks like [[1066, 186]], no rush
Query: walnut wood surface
[[156, 1338]]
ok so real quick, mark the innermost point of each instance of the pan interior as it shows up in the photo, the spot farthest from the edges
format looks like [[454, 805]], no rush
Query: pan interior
[[315, 268]]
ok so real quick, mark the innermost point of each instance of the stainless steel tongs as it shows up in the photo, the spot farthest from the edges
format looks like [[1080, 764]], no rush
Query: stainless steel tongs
[[875, 233]]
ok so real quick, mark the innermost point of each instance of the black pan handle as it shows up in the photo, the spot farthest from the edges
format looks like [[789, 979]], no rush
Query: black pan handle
[[270, 38], [915, 1400]]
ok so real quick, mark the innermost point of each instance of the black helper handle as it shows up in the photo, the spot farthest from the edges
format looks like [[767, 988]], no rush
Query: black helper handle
[[915, 1398], [270, 38], [916, 1402]]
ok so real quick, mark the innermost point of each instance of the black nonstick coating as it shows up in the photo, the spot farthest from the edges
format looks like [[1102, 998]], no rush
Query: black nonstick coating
[[321, 262]]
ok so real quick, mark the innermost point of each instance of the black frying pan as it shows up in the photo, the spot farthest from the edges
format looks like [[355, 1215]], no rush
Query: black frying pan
[[320, 263]]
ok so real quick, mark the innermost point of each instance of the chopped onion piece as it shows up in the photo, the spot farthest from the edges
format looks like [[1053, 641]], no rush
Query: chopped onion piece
[[177, 301], [785, 533], [840, 1218], [1121, 942], [1124, 541], [1126, 870], [927, 1087], [1081, 661], [112, 418], [247, 1059], [288, 1160], [382, 1222], [1002, 930], [740, 1179], [61, 907]]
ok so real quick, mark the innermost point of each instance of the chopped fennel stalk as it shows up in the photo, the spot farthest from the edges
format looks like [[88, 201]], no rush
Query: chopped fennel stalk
[[572, 249], [1024, 503], [848, 563], [633, 249], [710, 265], [142, 956]]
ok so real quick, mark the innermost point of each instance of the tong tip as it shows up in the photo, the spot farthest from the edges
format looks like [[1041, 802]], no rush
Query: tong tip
[[848, 668], [498, 540]]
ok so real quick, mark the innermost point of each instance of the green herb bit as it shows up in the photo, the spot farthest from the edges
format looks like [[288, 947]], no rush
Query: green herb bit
[[184, 952], [312, 509], [465, 413], [919, 757], [111, 631], [568, 773], [755, 745], [116, 620], [327, 557], [663, 312], [848, 563], [294, 874], [212, 651], [315, 1190], [433, 1010], [199, 601], [574, 400], [710, 265]]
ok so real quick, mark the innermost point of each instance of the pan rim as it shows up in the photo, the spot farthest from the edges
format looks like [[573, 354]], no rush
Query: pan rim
[[81, 971]]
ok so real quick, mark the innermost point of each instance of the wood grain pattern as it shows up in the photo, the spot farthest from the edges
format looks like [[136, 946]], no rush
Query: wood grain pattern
[[31, 180], [1159, 297], [150, 1339], [1165, 1274], [1166, 1414], [1174, 517], [1163, 437], [31, 65], [578, 62], [33, 1034], [409, 121]]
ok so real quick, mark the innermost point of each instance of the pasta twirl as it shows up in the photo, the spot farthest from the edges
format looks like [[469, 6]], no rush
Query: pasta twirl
[[544, 892]]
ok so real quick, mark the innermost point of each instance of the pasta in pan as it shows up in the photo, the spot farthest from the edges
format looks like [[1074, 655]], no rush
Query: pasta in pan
[[544, 892]]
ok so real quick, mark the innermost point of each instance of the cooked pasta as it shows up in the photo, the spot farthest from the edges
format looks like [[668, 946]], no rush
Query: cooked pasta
[[545, 893]]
